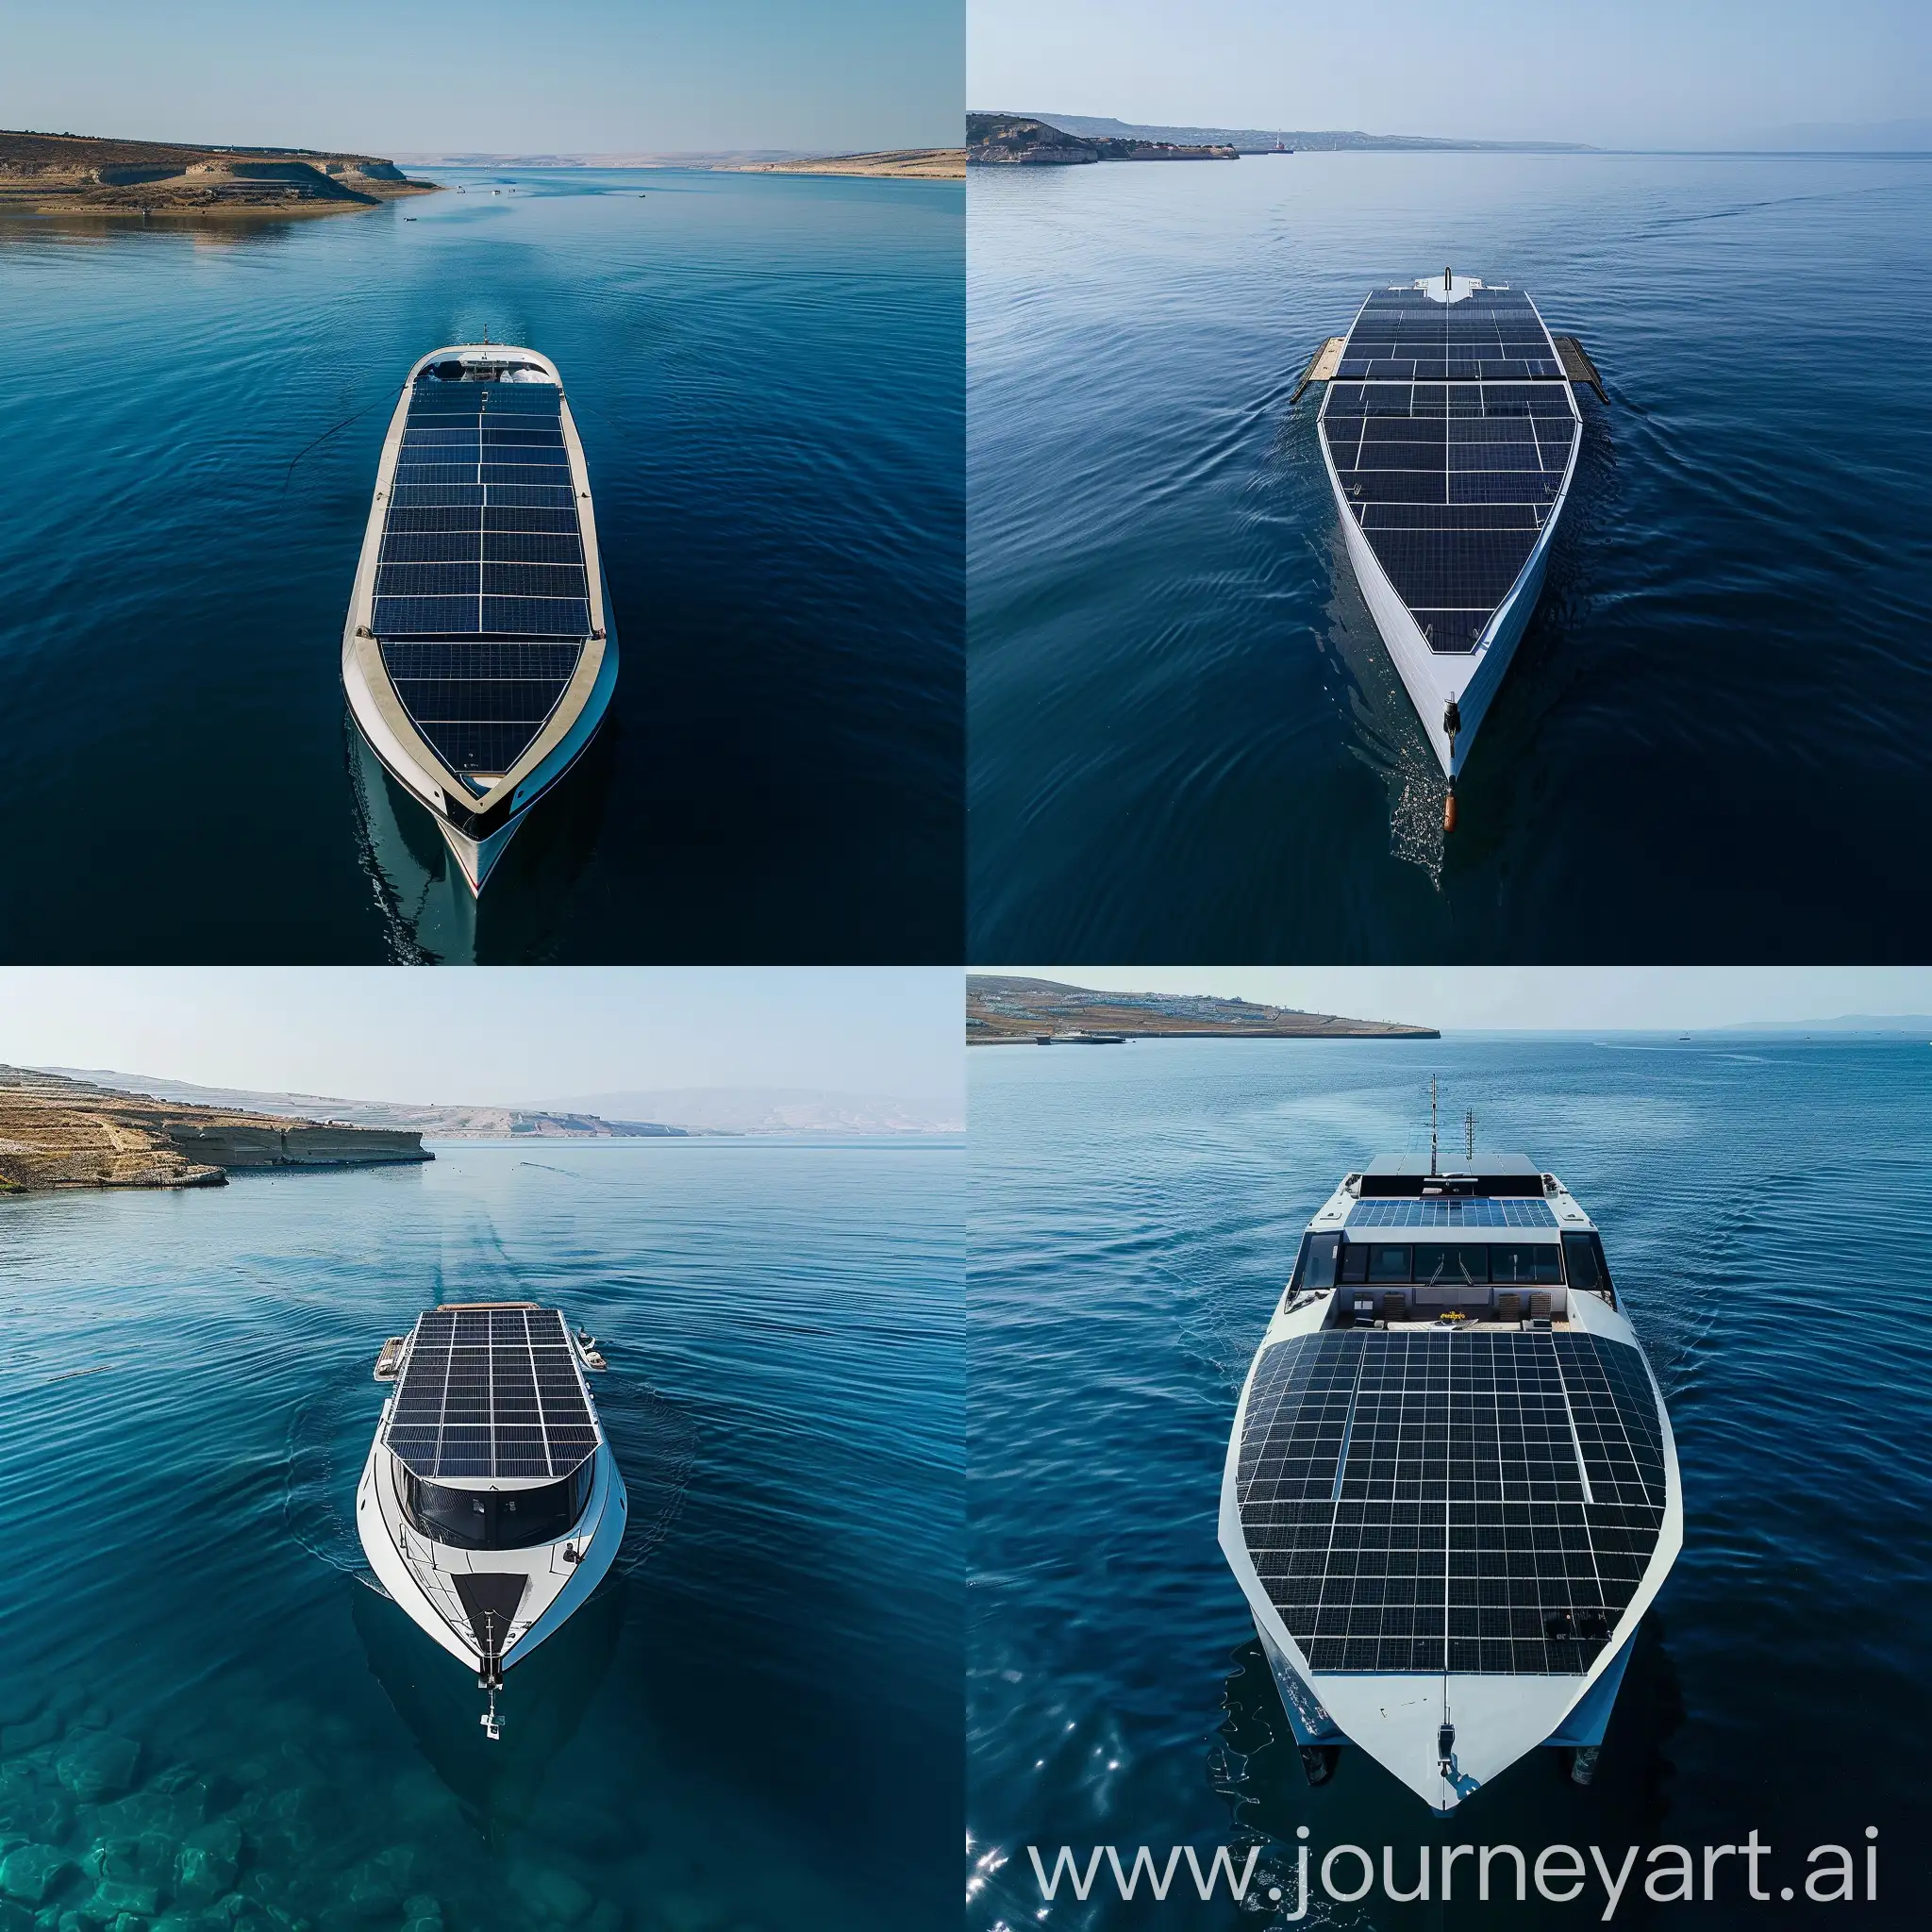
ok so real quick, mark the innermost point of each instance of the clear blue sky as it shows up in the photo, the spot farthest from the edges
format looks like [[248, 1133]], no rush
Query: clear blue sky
[[1632, 72], [423, 75], [502, 1035], [1554, 998]]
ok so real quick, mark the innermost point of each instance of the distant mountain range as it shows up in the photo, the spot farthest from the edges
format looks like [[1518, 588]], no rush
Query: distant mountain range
[[1005, 1009], [677, 1113], [1919, 1023], [1264, 140], [781, 1110]]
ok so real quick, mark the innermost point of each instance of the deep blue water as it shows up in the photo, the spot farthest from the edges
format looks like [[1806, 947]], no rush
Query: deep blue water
[[1187, 740], [768, 375], [1132, 1215], [755, 1726]]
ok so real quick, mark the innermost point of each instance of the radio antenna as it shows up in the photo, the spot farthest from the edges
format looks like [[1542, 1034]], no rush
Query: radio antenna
[[1469, 1134], [1432, 1128]]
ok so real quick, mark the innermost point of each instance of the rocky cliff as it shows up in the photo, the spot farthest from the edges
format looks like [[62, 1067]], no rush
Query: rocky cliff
[[60, 1133], [50, 174]]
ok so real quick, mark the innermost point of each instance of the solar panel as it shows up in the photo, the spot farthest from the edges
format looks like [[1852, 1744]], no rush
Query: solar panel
[[491, 1392], [482, 540], [1425, 1501], [1479, 1212], [1446, 415]]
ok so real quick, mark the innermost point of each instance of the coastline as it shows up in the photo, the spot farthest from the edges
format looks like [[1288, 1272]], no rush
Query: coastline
[[61, 1136], [895, 164]]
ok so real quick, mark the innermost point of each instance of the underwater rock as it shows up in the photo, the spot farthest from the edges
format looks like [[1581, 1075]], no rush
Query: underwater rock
[[97, 1764], [117, 1897], [422, 1913], [550, 1894], [31, 1808], [16, 1918], [29, 1873], [202, 1876], [20, 1703]]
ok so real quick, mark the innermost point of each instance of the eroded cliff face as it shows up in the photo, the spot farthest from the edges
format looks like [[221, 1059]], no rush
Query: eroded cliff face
[[61, 1133]]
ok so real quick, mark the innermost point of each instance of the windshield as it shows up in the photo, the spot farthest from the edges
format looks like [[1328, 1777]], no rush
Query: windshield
[[496, 1519]]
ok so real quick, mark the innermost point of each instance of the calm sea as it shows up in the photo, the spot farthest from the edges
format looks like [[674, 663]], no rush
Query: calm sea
[[754, 1728], [768, 375], [1133, 1213], [1187, 740]]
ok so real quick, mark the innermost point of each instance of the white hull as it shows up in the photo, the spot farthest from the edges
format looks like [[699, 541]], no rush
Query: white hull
[[387, 728], [419, 1574], [1397, 1719], [1437, 679]]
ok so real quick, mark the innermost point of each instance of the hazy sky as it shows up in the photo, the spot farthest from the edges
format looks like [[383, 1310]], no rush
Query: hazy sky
[[1553, 997], [421, 76], [507, 1035], [1636, 72]]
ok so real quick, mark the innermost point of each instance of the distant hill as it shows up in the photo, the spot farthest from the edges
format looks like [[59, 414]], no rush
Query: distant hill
[[1002, 1008], [1024, 141], [783, 1110], [440, 1123], [1262, 140], [82, 174]]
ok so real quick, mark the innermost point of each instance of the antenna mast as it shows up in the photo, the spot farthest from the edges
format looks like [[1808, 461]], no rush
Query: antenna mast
[[1469, 1135], [1432, 1128]]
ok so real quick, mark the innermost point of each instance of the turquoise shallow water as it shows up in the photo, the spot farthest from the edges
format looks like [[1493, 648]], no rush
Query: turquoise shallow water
[[754, 1726], [1186, 740], [768, 375], [1133, 1214]]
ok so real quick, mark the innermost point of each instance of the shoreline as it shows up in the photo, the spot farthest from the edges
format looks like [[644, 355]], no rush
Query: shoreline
[[892, 164]]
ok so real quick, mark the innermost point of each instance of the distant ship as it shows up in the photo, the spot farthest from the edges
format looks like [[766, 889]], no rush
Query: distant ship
[[1450, 1492], [1449, 436], [479, 655], [491, 1505]]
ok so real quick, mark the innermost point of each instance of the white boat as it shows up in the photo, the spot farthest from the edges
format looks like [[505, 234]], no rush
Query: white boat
[[1450, 1492], [479, 655], [1450, 434], [491, 1505]]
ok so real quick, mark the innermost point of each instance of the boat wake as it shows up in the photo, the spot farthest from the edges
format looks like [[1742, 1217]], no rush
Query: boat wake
[[326, 1447], [655, 1440]]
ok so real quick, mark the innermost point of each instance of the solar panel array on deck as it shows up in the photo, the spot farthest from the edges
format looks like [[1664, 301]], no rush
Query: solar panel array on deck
[[481, 544], [1450, 426], [1416, 1501], [1475, 1212], [491, 1392]]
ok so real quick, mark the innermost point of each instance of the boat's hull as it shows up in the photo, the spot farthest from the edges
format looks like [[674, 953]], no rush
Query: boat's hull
[[419, 1574], [1423, 671], [478, 829], [404, 757], [1397, 1718]]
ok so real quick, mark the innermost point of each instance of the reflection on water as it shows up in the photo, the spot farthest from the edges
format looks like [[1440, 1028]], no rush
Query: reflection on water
[[431, 914]]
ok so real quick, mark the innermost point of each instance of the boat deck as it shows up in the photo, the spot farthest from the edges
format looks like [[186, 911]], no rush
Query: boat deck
[[482, 601], [1451, 430]]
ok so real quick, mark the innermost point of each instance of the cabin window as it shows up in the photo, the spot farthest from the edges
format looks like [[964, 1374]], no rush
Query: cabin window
[[496, 1519], [1538, 1261], [1387, 1264], [1461, 1261], [1583, 1253], [1315, 1265]]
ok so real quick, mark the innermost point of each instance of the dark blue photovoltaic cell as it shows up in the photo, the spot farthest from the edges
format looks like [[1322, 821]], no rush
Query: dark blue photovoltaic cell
[[1449, 427], [481, 543], [1415, 1500], [1477, 1211], [490, 1392]]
